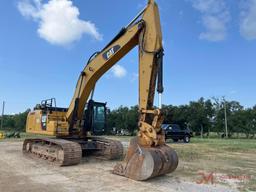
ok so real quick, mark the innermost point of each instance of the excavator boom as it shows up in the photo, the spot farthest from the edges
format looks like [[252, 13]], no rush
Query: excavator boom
[[145, 32]]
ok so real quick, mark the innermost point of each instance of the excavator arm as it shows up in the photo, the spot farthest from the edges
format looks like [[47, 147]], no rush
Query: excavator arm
[[148, 155], [144, 31]]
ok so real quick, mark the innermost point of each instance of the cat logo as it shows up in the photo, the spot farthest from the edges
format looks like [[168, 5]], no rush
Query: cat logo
[[110, 52]]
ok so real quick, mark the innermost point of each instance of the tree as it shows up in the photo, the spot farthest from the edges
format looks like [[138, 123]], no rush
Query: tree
[[123, 118], [16, 122], [233, 110], [176, 114], [20, 120], [200, 115]]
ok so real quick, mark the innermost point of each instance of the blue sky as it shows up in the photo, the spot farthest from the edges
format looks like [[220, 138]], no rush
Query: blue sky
[[210, 50]]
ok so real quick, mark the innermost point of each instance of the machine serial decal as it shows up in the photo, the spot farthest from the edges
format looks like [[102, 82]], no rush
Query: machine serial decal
[[111, 52]]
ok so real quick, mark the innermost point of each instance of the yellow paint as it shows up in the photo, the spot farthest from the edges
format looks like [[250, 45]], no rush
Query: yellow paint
[[56, 123], [2, 135]]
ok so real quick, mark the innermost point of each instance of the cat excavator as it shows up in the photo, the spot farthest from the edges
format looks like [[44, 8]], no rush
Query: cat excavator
[[73, 130]]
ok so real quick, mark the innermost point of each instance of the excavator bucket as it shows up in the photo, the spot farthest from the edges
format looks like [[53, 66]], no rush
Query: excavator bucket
[[142, 163]]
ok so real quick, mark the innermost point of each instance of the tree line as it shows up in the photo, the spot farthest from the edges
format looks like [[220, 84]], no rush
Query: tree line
[[202, 117]]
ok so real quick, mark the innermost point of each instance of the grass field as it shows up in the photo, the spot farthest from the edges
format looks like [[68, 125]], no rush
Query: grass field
[[231, 162]]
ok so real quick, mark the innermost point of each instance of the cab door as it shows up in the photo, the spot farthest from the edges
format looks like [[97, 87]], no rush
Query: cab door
[[99, 119]]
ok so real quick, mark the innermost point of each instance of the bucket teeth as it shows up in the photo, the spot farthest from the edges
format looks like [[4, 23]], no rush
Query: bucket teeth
[[142, 163]]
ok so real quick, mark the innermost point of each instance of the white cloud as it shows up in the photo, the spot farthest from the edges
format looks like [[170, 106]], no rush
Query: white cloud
[[215, 17], [118, 71], [248, 20], [58, 21]]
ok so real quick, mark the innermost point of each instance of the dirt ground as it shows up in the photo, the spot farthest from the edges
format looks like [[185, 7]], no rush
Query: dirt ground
[[18, 173]]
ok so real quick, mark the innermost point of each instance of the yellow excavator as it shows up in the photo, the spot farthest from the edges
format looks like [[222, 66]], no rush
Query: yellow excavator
[[75, 129]]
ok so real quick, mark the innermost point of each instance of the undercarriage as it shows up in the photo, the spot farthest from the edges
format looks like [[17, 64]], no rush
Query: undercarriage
[[69, 151]]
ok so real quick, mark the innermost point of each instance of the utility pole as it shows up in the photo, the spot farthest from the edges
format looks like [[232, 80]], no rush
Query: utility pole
[[2, 119], [225, 114]]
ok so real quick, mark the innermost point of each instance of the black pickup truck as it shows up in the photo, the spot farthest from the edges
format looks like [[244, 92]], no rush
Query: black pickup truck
[[174, 132]]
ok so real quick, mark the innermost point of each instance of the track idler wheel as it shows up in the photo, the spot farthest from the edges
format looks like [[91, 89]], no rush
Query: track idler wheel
[[142, 163]]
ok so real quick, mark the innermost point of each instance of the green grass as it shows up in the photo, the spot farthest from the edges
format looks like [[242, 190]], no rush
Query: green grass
[[23, 135], [227, 144], [231, 157]]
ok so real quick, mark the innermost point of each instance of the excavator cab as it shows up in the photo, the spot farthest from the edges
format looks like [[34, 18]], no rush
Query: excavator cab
[[95, 117]]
